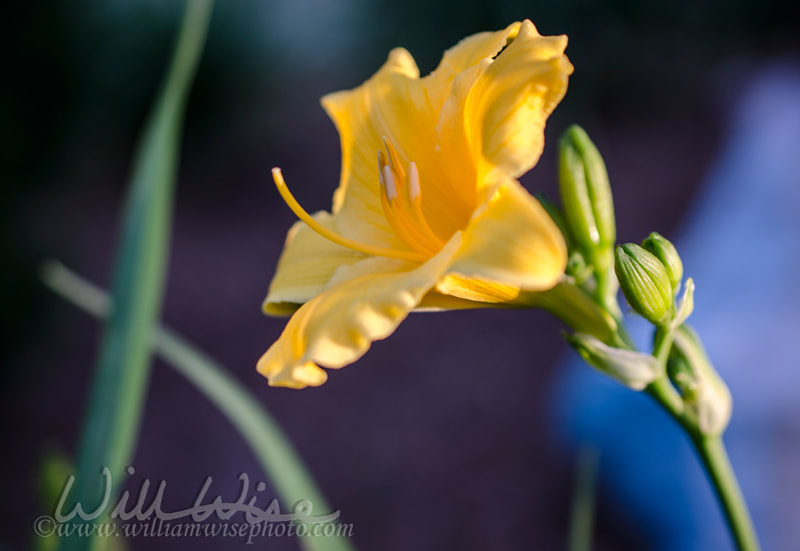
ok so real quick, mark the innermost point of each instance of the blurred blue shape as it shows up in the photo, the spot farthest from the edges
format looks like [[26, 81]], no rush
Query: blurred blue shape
[[741, 247]]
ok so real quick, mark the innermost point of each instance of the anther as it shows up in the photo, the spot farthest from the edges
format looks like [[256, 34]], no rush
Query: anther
[[389, 183], [413, 182]]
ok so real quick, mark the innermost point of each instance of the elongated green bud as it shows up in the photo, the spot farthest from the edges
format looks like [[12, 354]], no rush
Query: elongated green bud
[[668, 255], [633, 369], [645, 283], [586, 195], [705, 394]]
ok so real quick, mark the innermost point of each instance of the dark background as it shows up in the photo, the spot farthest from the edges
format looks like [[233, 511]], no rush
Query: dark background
[[439, 438]]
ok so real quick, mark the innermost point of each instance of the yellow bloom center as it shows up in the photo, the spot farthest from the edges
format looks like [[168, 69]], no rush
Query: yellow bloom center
[[401, 197]]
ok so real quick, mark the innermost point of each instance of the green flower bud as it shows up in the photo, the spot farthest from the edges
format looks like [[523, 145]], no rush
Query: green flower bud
[[586, 195], [707, 398], [633, 369], [644, 283], [666, 253]]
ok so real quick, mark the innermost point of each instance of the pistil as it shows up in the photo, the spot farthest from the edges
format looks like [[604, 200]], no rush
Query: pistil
[[334, 237]]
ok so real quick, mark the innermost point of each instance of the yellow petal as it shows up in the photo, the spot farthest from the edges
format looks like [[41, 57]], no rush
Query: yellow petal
[[307, 264], [512, 242], [439, 301], [473, 49], [510, 102], [472, 292], [467, 57], [338, 326], [500, 106], [396, 104], [448, 170], [357, 203]]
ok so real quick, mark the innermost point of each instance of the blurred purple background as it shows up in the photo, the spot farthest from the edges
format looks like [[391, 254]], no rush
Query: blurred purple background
[[440, 437]]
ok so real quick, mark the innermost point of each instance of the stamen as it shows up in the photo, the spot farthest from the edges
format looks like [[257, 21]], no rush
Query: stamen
[[415, 200], [393, 209], [333, 236], [394, 160], [390, 184], [413, 182], [411, 232], [401, 198]]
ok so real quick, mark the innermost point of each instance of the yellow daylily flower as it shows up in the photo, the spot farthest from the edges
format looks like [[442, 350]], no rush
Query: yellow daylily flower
[[439, 220]]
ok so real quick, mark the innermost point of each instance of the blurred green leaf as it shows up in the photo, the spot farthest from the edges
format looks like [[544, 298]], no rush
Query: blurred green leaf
[[120, 380], [581, 528], [262, 432]]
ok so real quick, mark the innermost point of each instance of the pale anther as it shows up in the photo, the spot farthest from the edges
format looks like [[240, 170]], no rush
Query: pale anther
[[413, 181], [389, 183]]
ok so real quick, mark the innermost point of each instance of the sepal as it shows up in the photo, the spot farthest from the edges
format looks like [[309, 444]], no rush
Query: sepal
[[632, 369]]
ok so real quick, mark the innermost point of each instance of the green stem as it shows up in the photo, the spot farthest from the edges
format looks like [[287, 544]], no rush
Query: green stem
[[661, 389], [577, 309], [607, 287], [715, 459], [710, 449], [666, 395], [662, 344]]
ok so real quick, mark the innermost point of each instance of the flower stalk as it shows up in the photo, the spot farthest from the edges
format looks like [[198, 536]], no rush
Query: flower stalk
[[714, 457], [677, 374], [709, 447]]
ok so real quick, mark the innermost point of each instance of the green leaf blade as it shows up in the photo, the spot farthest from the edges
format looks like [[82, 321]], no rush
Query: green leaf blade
[[118, 388]]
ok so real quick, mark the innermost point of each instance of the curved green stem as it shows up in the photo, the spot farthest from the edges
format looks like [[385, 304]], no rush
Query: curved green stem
[[662, 343], [715, 459], [661, 389], [607, 288], [710, 450], [666, 395]]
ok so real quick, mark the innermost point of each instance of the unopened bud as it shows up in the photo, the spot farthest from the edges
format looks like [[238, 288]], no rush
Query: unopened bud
[[633, 369], [586, 195], [577, 268], [644, 283], [705, 394], [668, 255]]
